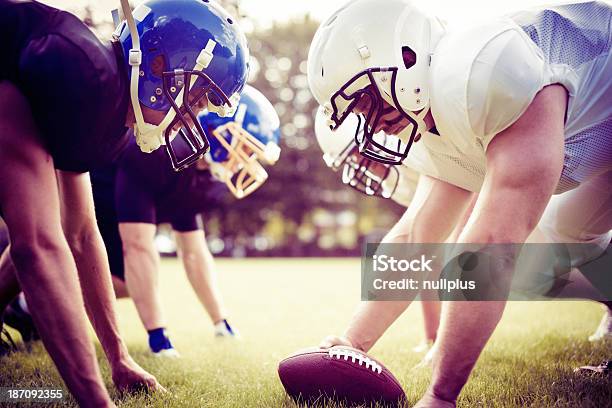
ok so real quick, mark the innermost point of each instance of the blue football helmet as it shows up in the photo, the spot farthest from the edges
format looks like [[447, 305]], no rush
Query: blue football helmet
[[241, 143], [184, 55]]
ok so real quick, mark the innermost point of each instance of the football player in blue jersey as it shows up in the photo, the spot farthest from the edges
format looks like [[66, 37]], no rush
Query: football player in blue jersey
[[141, 191], [515, 112], [66, 99]]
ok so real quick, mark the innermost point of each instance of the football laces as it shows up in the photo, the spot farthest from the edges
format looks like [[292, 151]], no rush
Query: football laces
[[355, 357]]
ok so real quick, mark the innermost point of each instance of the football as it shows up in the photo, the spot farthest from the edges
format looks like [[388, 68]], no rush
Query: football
[[341, 373]]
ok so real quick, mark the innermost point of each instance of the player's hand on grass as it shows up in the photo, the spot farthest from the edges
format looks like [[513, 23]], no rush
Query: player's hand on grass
[[128, 376], [331, 341]]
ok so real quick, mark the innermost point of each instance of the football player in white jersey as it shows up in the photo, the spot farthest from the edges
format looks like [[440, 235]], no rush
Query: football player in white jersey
[[374, 179], [516, 111]]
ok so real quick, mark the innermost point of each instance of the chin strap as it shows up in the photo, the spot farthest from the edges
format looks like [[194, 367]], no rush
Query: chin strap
[[149, 137]]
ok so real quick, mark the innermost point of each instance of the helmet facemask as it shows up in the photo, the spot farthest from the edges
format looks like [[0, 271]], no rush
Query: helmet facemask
[[191, 132], [363, 90], [361, 173], [370, 177], [182, 100], [242, 172]]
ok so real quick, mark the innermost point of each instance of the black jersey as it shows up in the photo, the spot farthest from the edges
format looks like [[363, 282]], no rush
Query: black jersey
[[77, 87], [143, 187]]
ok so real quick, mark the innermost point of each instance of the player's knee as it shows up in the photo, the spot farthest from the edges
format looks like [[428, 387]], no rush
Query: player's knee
[[137, 246], [190, 257]]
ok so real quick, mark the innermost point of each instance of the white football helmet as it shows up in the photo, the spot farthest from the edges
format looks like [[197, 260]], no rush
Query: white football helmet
[[380, 51], [340, 152]]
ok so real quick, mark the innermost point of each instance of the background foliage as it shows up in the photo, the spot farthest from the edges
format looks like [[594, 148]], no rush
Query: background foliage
[[303, 209]]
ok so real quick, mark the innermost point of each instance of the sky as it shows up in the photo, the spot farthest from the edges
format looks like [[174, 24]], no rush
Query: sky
[[264, 12]]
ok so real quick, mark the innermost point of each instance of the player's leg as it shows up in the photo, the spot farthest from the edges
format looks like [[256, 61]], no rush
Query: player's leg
[[584, 216], [200, 268], [135, 205], [81, 230], [430, 308], [141, 262], [45, 268], [108, 225]]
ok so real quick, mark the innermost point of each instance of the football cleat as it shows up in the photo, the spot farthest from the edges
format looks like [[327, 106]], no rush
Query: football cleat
[[16, 317], [604, 330], [166, 353], [423, 347], [224, 330], [427, 360], [603, 368], [160, 345]]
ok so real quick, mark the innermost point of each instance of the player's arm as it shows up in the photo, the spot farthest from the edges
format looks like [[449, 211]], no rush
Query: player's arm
[[524, 163], [200, 268], [433, 213], [83, 237]]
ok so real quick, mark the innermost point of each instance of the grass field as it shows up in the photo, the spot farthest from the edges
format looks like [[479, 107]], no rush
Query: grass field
[[281, 305]]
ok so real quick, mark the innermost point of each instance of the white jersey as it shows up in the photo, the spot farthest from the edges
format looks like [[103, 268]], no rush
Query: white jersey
[[484, 78]]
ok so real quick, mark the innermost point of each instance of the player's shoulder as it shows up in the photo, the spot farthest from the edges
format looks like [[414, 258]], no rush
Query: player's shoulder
[[484, 78], [63, 46]]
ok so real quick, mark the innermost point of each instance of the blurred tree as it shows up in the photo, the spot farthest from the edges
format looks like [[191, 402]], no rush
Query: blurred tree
[[300, 182]]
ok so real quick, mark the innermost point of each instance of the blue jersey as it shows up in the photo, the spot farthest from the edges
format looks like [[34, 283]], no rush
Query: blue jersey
[[76, 86]]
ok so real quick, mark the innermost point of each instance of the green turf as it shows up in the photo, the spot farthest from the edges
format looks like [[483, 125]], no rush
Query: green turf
[[280, 306]]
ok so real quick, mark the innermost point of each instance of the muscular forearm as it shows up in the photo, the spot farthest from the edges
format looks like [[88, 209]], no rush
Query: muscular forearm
[[94, 274], [48, 279], [460, 342], [469, 325], [371, 320]]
